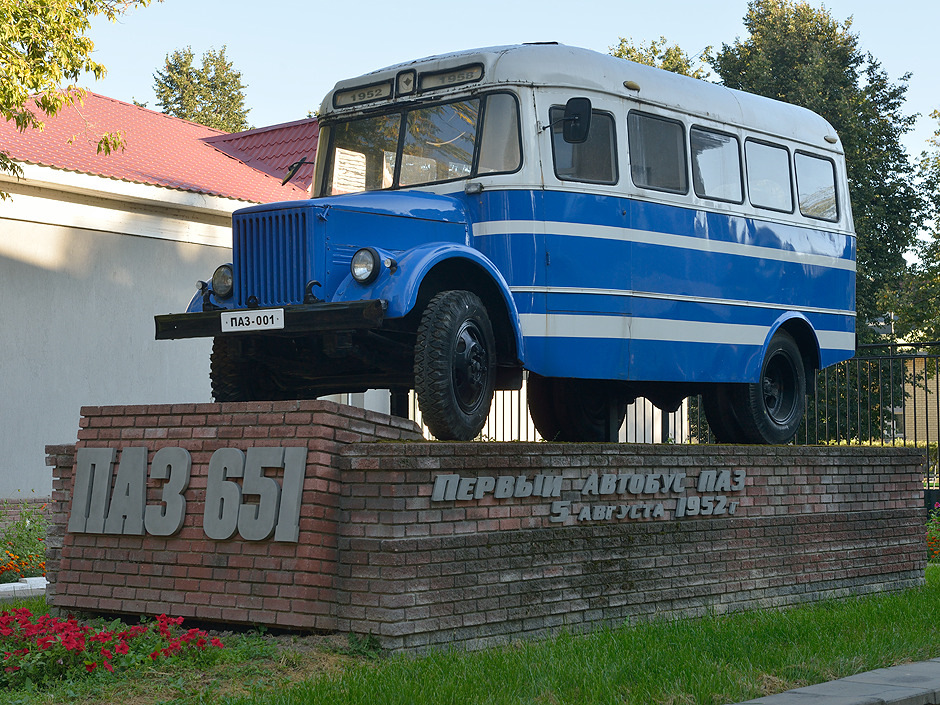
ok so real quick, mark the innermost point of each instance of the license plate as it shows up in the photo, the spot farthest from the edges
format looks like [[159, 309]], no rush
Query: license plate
[[262, 319]]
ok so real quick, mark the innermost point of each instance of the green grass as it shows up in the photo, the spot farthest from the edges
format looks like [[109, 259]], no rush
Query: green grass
[[717, 659]]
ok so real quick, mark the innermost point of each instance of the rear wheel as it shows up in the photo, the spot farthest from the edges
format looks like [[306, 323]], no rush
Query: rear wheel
[[455, 365], [770, 411], [718, 405], [576, 410], [540, 394]]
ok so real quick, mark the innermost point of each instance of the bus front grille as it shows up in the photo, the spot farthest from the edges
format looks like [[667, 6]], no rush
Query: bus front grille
[[271, 254]]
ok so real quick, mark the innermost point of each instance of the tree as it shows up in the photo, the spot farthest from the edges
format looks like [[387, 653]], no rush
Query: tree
[[801, 55], [43, 52], [916, 303], [212, 95], [659, 54]]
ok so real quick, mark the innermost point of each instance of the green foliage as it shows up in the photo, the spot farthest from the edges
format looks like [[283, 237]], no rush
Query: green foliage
[[933, 534], [22, 545], [360, 646], [857, 400], [916, 303], [660, 54], [800, 54], [43, 52], [212, 95]]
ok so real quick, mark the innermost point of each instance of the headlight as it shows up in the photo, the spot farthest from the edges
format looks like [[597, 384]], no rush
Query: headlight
[[365, 265], [222, 281]]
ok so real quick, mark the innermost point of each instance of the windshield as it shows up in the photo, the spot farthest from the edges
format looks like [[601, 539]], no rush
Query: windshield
[[423, 145]]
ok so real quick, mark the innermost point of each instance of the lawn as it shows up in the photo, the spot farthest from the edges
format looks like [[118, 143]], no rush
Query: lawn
[[717, 659]]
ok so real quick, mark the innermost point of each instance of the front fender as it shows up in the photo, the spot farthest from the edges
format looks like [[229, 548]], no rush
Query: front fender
[[400, 287]]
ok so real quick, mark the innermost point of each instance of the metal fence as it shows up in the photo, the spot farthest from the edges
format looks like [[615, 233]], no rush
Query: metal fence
[[885, 395]]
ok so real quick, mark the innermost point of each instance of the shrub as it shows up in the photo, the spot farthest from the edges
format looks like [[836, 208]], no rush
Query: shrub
[[933, 534], [23, 547]]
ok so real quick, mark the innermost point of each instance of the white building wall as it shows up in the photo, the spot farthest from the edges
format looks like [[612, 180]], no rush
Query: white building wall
[[81, 277]]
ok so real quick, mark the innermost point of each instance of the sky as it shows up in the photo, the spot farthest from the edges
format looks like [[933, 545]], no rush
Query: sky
[[291, 52]]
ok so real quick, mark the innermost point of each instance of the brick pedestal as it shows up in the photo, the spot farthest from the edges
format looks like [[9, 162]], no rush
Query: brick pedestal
[[425, 543]]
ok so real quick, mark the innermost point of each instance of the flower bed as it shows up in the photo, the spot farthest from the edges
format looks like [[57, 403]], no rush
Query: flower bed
[[23, 547], [41, 649]]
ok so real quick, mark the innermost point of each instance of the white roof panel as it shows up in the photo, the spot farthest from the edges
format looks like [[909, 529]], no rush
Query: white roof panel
[[559, 66]]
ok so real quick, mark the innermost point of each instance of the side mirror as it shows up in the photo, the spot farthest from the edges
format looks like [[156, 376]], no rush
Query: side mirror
[[577, 120]]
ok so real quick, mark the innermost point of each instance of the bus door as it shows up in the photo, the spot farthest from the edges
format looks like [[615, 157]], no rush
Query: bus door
[[587, 257]]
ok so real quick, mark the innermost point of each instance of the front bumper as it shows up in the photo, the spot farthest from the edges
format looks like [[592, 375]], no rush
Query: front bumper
[[302, 318]]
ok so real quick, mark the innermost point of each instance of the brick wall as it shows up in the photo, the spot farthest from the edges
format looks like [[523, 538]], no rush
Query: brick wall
[[424, 543], [811, 523], [187, 574]]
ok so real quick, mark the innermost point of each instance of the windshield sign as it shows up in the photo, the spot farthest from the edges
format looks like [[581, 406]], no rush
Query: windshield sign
[[365, 94]]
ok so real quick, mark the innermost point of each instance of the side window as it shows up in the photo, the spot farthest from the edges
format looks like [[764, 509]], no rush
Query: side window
[[768, 176], [816, 187], [716, 165], [500, 150], [657, 153], [594, 160]]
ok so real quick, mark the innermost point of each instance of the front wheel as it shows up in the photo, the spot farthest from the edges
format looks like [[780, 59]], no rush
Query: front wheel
[[230, 370], [455, 365]]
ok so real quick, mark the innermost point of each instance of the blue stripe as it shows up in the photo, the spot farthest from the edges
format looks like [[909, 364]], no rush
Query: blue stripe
[[710, 268]]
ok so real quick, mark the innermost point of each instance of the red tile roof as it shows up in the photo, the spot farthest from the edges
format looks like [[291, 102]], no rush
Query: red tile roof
[[166, 151], [273, 149]]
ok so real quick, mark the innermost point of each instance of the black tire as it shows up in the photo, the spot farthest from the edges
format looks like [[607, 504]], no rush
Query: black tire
[[455, 365], [718, 405], [583, 409], [770, 411], [226, 370], [235, 372], [540, 396], [575, 410]]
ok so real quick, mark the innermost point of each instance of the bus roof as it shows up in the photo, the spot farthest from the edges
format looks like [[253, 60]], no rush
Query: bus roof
[[556, 65]]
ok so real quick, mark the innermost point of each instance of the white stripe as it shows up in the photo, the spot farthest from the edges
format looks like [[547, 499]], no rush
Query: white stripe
[[676, 297], [646, 237], [836, 340], [561, 325]]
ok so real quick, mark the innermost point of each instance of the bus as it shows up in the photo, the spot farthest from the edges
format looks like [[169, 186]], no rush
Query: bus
[[602, 229]]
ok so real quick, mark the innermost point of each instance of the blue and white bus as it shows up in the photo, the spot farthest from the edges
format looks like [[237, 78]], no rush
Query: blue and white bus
[[607, 229]]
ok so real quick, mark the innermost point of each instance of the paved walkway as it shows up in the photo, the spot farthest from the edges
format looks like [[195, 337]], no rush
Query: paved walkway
[[26, 587], [910, 684]]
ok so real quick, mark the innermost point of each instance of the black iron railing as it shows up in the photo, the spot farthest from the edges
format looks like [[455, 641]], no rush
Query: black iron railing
[[885, 395]]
